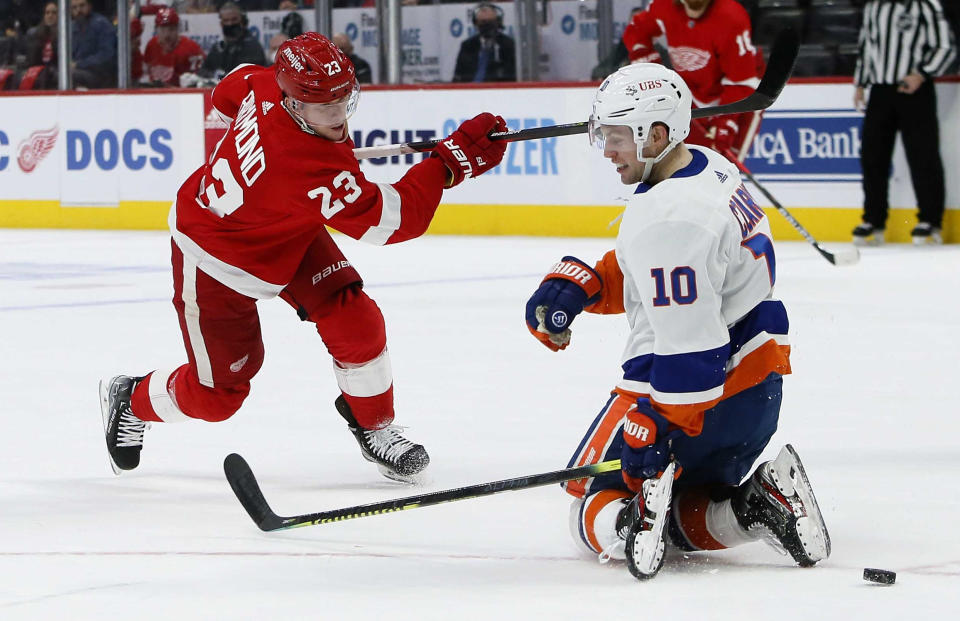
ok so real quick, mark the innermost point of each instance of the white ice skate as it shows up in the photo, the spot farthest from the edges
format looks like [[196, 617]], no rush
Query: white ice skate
[[649, 511]]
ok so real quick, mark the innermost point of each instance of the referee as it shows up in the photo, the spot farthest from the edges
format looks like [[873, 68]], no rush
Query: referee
[[904, 44]]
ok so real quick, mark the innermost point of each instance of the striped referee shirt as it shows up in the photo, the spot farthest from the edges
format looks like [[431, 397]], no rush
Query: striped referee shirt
[[900, 37]]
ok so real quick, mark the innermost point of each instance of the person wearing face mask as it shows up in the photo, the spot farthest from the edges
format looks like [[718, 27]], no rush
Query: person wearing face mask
[[489, 55], [251, 224], [238, 46], [170, 54], [709, 45]]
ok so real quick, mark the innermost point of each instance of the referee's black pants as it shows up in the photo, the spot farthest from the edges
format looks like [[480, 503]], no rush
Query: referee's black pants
[[915, 116]]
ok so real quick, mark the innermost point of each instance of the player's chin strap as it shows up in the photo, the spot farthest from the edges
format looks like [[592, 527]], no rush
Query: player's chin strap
[[648, 162], [297, 119], [303, 124]]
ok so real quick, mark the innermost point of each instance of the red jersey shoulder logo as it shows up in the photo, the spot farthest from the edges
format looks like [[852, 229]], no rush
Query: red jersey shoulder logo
[[32, 150]]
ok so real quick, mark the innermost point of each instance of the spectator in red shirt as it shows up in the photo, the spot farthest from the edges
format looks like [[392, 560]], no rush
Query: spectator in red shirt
[[169, 54]]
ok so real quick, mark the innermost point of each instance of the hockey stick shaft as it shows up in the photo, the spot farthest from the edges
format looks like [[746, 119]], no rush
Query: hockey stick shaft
[[779, 67], [834, 258], [245, 486]]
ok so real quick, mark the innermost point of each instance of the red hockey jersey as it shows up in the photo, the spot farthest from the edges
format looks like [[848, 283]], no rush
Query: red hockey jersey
[[713, 53], [166, 67], [268, 189]]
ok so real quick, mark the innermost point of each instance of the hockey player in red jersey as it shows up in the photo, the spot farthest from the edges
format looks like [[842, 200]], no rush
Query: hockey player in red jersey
[[250, 224], [169, 54], [693, 270], [709, 46]]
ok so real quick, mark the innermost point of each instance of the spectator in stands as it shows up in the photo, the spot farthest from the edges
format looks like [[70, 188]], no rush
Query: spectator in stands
[[489, 55], [362, 67], [238, 45], [292, 25], [170, 54], [94, 48], [903, 47], [40, 51], [275, 42], [287, 5]]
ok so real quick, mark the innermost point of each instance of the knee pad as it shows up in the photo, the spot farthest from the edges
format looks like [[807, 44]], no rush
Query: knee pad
[[351, 325]]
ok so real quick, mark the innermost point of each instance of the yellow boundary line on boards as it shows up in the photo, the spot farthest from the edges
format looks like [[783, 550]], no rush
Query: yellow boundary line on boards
[[825, 224]]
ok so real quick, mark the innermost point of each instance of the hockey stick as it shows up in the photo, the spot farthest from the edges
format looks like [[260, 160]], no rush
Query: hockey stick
[[245, 486], [779, 68], [847, 256]]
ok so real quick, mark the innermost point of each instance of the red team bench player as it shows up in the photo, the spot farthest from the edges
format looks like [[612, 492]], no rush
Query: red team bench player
[[710, 47], [693, 270], [250, 224]]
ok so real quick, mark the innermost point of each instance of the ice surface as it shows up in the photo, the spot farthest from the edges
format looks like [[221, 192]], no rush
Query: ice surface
[[870, 408]]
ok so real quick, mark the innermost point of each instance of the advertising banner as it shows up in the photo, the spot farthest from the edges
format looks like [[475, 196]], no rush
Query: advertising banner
[[93, 151], [98, 150]]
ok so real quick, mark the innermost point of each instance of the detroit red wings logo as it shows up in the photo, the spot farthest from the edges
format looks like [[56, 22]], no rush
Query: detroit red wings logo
[[688, 58], [32, 150]]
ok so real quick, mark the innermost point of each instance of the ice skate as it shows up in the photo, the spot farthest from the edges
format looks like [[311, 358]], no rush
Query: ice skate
[[642, 523], [396, 457], [925, 233], [123, 430], [777, 504], [867, 235]]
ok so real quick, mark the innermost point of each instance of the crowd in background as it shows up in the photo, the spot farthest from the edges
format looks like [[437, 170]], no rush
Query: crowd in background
[[29, 54]]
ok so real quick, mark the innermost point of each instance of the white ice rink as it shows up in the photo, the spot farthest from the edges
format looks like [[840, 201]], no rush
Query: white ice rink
[[871, 409]]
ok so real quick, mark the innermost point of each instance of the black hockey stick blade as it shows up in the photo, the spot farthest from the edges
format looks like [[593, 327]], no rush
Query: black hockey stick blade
[[783, 55], [846, 256], [245, 486]]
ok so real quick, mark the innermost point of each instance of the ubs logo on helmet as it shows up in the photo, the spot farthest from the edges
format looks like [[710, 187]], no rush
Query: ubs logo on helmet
[[650, 84]]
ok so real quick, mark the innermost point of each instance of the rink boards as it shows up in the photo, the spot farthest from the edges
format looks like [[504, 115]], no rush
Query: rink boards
[[115, 160]]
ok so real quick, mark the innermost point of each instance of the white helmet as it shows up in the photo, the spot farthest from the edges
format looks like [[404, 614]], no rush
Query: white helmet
[[638, 96]]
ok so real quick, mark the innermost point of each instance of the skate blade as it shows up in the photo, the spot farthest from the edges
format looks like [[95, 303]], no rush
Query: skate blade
[[105, 415], [408, 479], [791, 479], [645, 552]]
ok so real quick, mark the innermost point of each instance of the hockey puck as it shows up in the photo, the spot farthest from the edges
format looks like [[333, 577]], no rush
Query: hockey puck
[[880, 576]]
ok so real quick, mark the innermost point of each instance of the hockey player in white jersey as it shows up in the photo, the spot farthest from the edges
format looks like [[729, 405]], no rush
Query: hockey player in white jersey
[[694, 270]]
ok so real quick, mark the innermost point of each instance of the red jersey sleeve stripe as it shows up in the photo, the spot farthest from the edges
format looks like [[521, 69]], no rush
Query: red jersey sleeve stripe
[[390, 216]]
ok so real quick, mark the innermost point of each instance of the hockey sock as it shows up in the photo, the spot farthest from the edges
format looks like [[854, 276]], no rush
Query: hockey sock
[[593, 521], [706, 524], [368, 390]]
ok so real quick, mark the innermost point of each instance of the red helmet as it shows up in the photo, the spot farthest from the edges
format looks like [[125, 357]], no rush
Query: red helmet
[[167, 16], [310, 68], [136, 27]]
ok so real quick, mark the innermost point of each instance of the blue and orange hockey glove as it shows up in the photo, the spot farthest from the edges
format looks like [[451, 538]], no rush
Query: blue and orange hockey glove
[[564, 292], [647, 439]]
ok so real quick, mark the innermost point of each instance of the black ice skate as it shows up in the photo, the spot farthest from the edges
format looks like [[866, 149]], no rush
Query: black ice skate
[[926, 233], [123, 430], [777, 503], [396, 457], [642, 524], [867, 235]]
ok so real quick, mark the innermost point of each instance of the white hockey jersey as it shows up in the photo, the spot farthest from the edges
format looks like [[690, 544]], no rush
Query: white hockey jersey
[[698, 268]]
